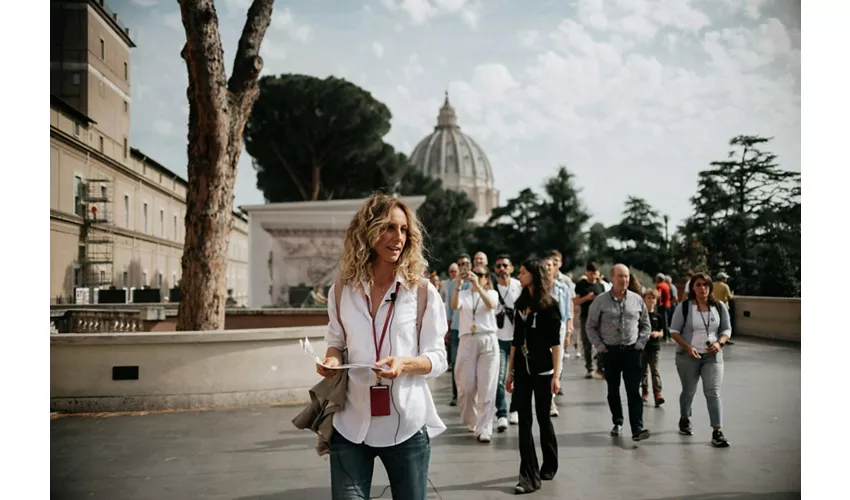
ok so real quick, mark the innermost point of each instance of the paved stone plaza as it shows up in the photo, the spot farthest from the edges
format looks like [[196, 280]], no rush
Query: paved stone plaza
[[256, 453]]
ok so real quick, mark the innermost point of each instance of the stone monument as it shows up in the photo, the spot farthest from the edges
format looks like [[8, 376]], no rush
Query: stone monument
[[296, 244]]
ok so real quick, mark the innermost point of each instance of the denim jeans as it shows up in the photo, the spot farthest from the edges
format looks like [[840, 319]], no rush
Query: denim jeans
[[406, 465], [454, 347], [710, 370], [501, 398]]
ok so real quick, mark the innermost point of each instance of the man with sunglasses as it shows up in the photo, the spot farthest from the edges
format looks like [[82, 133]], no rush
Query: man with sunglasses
[[509, 290], [463, 266]]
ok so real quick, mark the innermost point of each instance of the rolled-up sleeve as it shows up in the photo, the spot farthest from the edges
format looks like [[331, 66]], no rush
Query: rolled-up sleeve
[[725, 321], [334, 337], [644, 327], [592, 325], [431, 340], [678, 322]]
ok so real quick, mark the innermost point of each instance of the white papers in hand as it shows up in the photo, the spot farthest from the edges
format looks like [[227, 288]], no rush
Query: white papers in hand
[[308, 348]]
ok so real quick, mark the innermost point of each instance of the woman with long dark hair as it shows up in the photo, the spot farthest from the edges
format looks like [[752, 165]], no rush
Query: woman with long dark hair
[[535, 358], [701, 327]]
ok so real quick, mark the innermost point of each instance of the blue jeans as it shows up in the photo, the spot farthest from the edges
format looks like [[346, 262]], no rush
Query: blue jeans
[[501, 399], [406, 465], [710, 370], [454, 347]]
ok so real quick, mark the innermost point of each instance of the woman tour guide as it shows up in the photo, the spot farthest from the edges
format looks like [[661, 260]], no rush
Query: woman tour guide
[[534, 360], [389, 412], [701, 328]]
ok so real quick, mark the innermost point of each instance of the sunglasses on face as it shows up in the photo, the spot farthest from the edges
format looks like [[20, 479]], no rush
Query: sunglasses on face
[[701, 285], [481, 275], [500, 266]]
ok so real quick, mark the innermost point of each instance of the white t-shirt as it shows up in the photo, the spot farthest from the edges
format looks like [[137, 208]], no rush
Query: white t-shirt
[[509, 293], [701, 335], [484, 318]]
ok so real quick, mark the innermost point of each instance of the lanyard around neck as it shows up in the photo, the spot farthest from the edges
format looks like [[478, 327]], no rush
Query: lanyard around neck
[[379, 346]]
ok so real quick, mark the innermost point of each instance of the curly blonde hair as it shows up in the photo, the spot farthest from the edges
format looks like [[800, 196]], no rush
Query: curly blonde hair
[[363, 233]]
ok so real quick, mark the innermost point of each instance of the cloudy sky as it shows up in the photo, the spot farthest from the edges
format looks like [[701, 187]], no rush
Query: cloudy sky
[[634, 96]]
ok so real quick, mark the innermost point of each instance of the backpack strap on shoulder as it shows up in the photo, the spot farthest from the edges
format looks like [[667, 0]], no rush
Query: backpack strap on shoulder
[[338, 287], [686, 308], [421, 305]]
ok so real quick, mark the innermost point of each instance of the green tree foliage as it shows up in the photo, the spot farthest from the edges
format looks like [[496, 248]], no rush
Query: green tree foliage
[[562, 217], [597, 243], [512, 228], [744, 205], [641, 236], [318, 139]]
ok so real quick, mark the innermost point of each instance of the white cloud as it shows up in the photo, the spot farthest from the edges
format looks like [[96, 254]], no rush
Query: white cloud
[[421, 11], [367, 8], [378, 50], [530, 38], [272, 50], [302, 33], [163, 127], [412, 68], [173, 20], [398, 28], [282, 19], [145, 3], [754, 8]]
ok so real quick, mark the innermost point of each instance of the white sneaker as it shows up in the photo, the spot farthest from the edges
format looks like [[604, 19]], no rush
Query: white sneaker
[[470, 428], [553, 412], [483, 438], [578, 354], [502, 424], [513, 418], [567, 356]]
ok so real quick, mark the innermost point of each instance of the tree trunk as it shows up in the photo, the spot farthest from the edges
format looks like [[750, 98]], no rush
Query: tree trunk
[[218, 111]]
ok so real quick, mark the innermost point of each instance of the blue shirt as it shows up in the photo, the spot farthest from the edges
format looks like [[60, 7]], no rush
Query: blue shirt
[[454, 314], [561, 293]]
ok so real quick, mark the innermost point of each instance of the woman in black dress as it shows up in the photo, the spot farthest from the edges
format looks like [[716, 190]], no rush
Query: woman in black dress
[[535, 357]]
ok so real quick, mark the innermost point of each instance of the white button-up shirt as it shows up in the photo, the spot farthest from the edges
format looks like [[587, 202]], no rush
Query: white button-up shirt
[[411, 404]]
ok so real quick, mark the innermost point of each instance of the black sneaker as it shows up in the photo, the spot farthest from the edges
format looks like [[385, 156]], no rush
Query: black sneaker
[[589, 375], [615, 431], [685, 427], [640, 436], [718, 440], [453, 402], [547, 476], [659, 400]]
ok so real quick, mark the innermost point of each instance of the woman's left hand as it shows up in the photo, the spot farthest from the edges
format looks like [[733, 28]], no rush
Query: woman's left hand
[[556, 385], [395, 367], [473, 280], [715, 348]]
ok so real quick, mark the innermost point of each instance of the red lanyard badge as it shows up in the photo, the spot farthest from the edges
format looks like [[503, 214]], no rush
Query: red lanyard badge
[[380, 345]]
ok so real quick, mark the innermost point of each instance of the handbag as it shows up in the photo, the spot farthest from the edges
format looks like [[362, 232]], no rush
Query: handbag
[[500, 316]]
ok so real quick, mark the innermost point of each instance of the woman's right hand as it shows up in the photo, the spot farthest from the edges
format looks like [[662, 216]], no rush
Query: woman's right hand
[[328, 372], [692, 351], [509, 384]]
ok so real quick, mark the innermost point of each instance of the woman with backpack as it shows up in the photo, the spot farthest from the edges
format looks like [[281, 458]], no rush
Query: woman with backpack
[[701, 328], [535, 359], [383, 313]]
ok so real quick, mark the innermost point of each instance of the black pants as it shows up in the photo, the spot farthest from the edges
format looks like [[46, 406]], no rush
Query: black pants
[[588, 349], [629, 363], [541, 387]]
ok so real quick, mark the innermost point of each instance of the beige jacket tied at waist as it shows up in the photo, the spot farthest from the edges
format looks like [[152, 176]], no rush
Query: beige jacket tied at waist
[[326, 398]]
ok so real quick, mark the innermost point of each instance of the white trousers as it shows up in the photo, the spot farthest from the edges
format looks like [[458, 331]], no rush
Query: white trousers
[[477, 375]]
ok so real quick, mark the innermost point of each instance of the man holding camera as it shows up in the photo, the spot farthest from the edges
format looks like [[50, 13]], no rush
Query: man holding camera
[[509, 290]]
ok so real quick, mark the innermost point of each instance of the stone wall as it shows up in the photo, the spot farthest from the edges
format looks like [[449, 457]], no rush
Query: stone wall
[[768, 317], [181, 370]]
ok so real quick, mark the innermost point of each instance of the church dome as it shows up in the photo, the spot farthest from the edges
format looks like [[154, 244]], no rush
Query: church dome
[[456, 159]]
